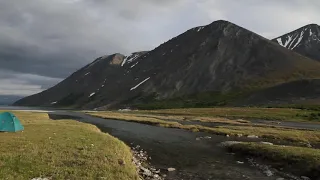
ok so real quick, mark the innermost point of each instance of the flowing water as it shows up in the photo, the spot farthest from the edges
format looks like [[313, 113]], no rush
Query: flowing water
[[192, 158]]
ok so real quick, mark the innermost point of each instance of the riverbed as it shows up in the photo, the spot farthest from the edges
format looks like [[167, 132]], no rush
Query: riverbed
[[195, 156]]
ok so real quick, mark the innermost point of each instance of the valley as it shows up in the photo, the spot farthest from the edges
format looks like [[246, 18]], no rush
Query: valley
[[215, 102], [275, 138]]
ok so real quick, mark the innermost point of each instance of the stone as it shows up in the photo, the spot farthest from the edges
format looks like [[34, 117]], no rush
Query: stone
[[280, 179], [239, 135], [309, 145], [229, 143], [121, 162], [171, 169], [267, 143], [305, 178], [268, 173], [156, 176], [240, 162], [252, 136], [227, 135], [146, 171]]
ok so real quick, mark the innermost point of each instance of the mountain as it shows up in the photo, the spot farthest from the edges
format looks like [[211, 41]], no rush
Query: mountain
[[205, 66], [305, 40], [83, 85], [8, 99]]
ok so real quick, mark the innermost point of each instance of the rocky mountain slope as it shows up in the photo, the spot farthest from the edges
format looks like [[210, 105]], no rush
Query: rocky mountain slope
[[205, 66], [305, 40]]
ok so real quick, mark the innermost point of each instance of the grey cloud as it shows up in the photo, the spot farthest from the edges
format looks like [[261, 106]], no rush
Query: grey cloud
[[270, 18], [42, 42], [13, 83]]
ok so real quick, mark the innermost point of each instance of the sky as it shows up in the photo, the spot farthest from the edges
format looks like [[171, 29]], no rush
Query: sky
[[44, 41]]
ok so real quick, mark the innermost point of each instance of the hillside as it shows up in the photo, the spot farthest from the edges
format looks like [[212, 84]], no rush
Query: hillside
[[305, 40], [299, 92], [208, 65]]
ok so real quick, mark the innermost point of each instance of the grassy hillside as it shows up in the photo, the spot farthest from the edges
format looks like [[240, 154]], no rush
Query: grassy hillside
[[62, 150]]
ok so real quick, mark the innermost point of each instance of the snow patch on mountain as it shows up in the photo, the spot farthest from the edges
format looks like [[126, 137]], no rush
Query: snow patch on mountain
[[289, 38], [135, 87], [299, 40], [299, 37], [134, 65], [130, 58], [280, 41], [200, 28]]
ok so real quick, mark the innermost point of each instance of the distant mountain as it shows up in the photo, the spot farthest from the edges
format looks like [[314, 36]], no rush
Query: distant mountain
[[305, 40], [8, 100], [209, 65], [82, 86]]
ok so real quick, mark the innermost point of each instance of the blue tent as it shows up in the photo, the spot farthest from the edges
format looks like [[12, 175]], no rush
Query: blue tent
[[10, 123]]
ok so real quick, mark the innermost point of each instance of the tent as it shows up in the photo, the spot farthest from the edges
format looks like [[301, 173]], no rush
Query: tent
[[10, 123]]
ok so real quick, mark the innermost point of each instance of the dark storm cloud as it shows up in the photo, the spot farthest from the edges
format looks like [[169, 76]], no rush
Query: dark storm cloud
[[43, 41], [13, 83]]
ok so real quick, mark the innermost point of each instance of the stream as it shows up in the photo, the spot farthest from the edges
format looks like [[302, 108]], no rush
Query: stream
[[193, 157]]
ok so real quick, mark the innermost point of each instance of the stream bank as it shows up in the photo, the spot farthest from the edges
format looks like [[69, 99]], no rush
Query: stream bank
[[192, 157]]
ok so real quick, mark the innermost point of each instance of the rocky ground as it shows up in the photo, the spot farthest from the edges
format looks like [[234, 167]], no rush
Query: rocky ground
[[146, 171], [267, 170]]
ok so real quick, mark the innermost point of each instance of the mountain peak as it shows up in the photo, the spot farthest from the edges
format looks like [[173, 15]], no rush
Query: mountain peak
[[312, 25], [305, 40], [220, 21]]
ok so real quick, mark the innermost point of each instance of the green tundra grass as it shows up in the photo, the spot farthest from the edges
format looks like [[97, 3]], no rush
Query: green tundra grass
[[62, 150], [277, 114]]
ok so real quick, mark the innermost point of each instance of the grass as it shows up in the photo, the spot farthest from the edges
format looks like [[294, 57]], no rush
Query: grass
[[197, 100], [304, 161], [231, 128], [292, 135], [279, 114], [62, 150]]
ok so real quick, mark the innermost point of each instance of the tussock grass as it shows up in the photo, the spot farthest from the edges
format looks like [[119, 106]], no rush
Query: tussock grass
[[292, 135], [62, 150], [280, 114], [302, 161], [243, 127]]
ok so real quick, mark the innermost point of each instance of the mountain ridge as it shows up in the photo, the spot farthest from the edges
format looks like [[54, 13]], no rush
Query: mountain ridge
[[220, 57]]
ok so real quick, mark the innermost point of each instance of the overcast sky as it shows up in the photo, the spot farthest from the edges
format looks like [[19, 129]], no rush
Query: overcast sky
[[44, 41]]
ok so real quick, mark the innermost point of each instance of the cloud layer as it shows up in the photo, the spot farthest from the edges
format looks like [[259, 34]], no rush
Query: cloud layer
[[42, 42]]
